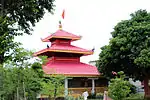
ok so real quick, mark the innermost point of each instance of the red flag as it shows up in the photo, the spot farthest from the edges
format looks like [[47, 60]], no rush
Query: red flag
[[63, 14]]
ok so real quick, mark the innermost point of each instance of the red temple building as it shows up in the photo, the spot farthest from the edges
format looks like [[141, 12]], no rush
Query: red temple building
[[64, 58]]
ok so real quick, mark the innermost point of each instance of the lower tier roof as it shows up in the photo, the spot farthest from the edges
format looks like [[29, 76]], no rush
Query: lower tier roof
[[71, 69]]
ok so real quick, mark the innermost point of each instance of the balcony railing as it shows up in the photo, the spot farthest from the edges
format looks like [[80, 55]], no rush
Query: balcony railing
[[81, 90]]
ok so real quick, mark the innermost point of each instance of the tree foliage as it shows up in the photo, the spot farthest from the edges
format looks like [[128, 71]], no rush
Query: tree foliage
[[19, 79], [7, 39], [25, 13], [20, 83], [18, 17], [129, 47], [54, 86]]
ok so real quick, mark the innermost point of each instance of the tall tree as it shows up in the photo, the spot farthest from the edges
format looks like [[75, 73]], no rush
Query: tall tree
[[18, 17], [129, 49]]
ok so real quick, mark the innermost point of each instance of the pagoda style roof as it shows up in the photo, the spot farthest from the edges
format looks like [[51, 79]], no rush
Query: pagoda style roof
[[61, 34], [65, 49], [71, 69]]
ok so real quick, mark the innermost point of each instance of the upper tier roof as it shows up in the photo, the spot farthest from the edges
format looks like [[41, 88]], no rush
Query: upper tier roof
[[61, 34], [64, 48]]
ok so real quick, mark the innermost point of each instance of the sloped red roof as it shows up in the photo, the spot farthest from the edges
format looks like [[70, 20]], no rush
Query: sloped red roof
[[70, 69], [66, 49], [63, 35]]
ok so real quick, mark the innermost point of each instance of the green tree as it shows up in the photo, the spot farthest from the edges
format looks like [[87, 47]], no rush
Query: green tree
[[53, 86], [7, 39], [128, 49], [20, 83], [119, 88], [18, 78], [18, 17]]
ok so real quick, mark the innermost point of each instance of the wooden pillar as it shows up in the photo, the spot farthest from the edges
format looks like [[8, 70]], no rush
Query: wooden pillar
[[66, 86], [93, 86]]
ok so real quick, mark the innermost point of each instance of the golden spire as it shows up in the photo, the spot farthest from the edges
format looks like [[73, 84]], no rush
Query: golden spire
[[60, 25]]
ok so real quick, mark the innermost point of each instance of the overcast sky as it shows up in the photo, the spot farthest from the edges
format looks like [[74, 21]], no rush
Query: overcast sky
[[94, 20]]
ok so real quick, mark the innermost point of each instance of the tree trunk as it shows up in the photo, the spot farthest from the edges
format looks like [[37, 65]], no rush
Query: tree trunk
[[55, 91], [2, 59], [146, 87], [17, 94], [2, 6], [24, 92]]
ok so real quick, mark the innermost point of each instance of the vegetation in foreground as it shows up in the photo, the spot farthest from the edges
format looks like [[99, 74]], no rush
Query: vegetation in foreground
[[121, 89]]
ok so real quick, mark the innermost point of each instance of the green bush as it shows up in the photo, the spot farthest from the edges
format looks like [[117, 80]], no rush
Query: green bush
[[73, 98], [69, 98], [99, 95], [119, 88]]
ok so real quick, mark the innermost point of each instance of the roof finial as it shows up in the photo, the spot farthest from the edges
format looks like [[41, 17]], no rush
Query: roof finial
[[60, 25]]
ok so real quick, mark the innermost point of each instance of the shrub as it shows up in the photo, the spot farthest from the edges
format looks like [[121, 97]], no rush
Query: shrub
[[99, 95], [74, 98], [119, 88], [69, 98]]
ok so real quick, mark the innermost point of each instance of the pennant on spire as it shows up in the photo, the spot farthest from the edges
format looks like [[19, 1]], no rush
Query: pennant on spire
[[63, 14]]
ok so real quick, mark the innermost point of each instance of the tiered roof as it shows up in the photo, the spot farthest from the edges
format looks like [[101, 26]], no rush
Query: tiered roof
[[70, 66], [61, 34]]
